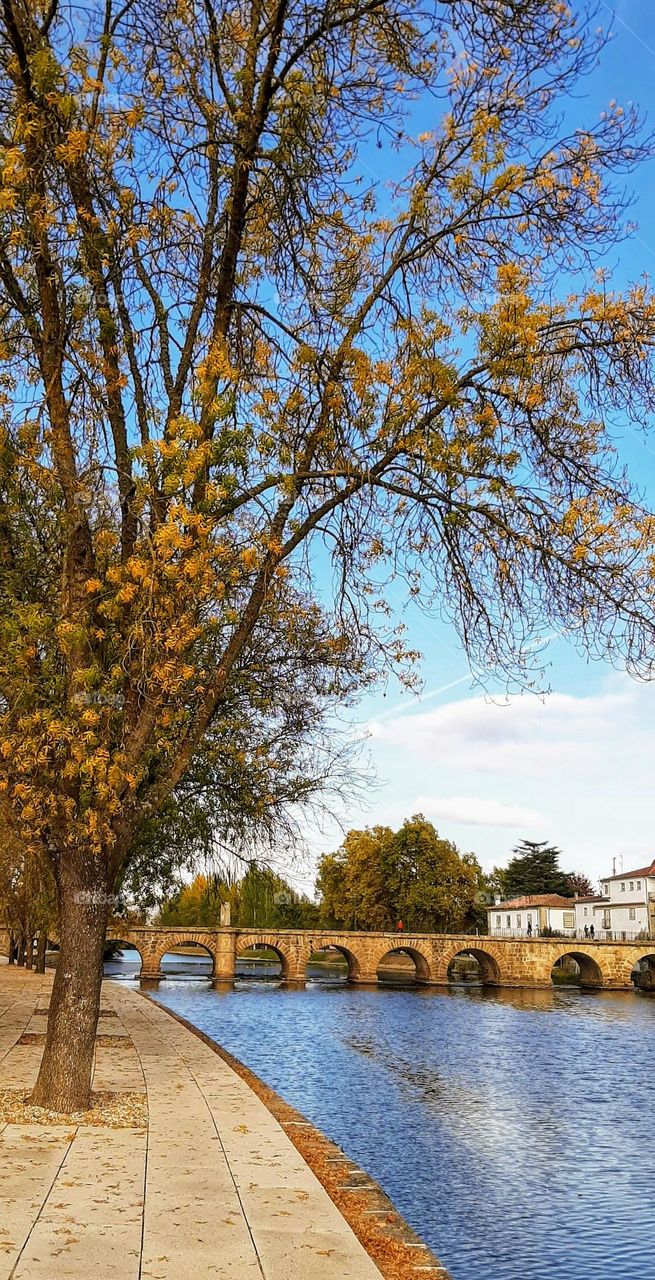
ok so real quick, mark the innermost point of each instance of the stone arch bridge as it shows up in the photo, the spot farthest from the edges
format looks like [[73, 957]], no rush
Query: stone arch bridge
[[507, 962]]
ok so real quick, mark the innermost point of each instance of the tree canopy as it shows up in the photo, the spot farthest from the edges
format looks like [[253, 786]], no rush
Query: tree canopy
[[258, 897], [228, 354], [381, 877], [535, 868], [27, 899]]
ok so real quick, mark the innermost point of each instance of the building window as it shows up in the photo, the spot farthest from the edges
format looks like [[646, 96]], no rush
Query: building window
[[632, 886], [639, 885], [529, 917], [607, 919], [623, 886], [498, 922], [633, 913], [586, 911], [569, 919], [509, 922], [606, 888]]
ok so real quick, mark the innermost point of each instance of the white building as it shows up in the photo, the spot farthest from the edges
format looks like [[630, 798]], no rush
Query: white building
[[585, 914], [627, 906], [624, 909], [532, 915]]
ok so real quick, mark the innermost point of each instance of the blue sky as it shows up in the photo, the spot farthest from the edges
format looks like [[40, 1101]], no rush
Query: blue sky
[[577, 766]]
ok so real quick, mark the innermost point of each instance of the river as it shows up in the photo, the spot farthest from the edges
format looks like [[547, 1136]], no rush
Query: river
[[512, 1129]]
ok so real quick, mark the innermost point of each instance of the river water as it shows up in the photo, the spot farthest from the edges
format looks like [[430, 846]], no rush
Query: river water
[[512, 1129]]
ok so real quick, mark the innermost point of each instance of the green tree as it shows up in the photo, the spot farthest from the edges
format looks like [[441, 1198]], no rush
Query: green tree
[[260, 897], [264, 898], [535, 869], [442, 885], [224, 349], [331, 889]]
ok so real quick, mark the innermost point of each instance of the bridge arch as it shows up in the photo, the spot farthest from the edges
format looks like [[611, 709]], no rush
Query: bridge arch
[[589, 967], [487, 961], [108, 962], [325, 944], [263, 942], [422, 967], [642, 973], [481, 949], [201, 947]]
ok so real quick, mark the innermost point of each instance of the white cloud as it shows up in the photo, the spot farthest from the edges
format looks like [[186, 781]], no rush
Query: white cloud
[[476, 811], [573, 769], [522, 734]]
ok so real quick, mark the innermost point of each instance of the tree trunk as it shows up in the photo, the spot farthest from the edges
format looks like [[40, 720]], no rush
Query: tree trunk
[[41, 948], [64, 1081], [12, 949], [29, 951]]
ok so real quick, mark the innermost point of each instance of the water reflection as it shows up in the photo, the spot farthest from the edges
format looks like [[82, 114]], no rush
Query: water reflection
[[512, 1128], [126, 965]]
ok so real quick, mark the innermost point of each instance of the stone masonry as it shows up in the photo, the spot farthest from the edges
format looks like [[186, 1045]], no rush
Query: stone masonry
[[508, 962]]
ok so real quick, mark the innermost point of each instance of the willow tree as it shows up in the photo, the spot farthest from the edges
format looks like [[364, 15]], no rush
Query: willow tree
[[229, 352]]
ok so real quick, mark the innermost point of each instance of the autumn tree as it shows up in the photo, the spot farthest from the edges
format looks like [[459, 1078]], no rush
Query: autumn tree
[[271, 759], [228, 352], [581, 884], [27, 901], [257, 897], [379, 877], [360, 885], [195, 904]]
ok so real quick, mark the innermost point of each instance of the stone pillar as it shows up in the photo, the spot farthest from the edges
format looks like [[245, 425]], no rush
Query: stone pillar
[[225, 956], [151, 951], [295, 975], [296, 952]]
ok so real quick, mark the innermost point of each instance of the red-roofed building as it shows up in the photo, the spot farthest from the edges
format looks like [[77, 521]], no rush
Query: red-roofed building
[[532, 915], [624, 909]]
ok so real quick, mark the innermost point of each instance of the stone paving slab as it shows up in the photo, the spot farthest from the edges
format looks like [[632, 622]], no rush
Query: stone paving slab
[[90, 1225], [214, 1190], [15, 1014], [20, 1066], [31, 1156], [117, 1068]]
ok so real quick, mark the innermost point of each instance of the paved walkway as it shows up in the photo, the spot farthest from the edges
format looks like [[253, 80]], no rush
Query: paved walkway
[[214, 1188]]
